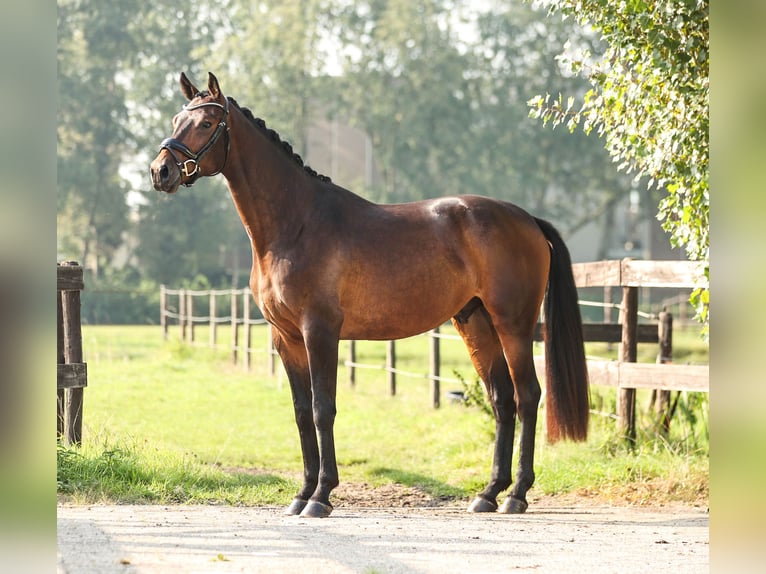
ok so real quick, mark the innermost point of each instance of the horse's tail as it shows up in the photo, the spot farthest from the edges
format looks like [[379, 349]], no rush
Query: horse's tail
[[567, 398]]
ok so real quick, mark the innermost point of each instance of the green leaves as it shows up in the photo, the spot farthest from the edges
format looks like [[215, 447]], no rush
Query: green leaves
[[554, 111], [649, 99]]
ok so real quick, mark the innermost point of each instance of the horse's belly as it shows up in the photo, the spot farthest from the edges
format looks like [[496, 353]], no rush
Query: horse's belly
[[398, 315]]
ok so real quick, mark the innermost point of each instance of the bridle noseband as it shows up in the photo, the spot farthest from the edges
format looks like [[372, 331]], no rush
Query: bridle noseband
[[171, 144]]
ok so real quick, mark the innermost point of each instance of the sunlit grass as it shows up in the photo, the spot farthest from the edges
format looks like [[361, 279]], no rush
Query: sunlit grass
[[165, 422], [129, 472]]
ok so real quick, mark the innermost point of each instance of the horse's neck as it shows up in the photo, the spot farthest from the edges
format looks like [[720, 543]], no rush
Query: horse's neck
[[270, 190]]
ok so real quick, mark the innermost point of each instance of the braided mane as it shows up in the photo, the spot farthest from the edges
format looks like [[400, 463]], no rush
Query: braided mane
[[274, 137]]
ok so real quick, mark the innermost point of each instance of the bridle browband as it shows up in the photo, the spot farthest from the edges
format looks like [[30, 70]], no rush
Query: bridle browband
[[171, 144]]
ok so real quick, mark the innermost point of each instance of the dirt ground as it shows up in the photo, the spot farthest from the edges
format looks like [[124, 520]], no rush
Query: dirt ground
[[386, 530]]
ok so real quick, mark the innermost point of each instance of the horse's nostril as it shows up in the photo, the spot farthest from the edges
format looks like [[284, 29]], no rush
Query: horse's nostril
[[164, 172]]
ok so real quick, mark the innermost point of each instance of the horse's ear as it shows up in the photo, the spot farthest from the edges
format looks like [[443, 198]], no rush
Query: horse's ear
[[187, 88], [212, 85]]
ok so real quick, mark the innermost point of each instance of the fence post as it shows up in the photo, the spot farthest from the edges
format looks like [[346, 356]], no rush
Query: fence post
[[72, 354], [246, 322], [626, 408], [391, 365], [190, 314], [435, 370], [351, 363], [234, 329], [665, 355], [213, 322], [60, 359], [163, 317], [271, 351], [182, 313]]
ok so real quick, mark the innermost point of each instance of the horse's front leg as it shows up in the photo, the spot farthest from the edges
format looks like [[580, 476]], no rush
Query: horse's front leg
[[293, 355], [322, 349]]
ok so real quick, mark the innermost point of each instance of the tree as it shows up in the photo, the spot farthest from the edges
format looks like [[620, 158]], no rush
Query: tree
[[442, 88], [649, 100], [91, 130], [193, 233], [565, 177], [404, 85], [118, 76], [273, 53]]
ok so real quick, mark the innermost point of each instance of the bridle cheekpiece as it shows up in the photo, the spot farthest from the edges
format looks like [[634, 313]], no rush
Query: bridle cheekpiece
[[172, 144]]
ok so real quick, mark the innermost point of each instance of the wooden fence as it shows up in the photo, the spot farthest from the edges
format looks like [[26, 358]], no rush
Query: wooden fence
[[71, 373], [625, 374], [240, 313]]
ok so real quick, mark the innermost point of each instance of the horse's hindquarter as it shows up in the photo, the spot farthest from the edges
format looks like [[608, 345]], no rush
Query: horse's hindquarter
[[408, 268]]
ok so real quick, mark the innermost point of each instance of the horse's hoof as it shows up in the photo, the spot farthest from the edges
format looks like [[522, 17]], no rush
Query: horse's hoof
[[513, 506], [296, 507], [480, 504], [315, 509]]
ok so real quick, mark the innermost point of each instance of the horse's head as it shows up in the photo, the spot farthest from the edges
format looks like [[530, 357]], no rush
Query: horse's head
[[191, 151]]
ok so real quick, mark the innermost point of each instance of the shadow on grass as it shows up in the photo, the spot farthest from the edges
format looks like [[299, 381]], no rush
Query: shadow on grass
[[433, 488]]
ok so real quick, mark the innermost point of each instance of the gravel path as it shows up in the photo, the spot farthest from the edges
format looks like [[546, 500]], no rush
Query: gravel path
[[218, 539]]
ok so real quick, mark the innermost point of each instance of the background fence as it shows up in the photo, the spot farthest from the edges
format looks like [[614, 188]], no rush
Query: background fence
[[184, 309]]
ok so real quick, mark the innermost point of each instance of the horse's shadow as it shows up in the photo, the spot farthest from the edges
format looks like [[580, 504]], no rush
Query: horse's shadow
[[434, 488]]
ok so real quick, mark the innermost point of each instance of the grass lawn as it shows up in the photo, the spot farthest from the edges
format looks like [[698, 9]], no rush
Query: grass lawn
[[166, 422]]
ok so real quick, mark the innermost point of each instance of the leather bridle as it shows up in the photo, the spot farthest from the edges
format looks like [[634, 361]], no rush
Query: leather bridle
[[172, 144]]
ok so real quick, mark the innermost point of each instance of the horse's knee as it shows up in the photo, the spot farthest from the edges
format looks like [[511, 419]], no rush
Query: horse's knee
[[303, 414]]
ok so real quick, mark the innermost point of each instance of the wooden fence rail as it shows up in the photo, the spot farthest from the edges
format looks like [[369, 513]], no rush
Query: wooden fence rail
[[71, 371], [625, 374]]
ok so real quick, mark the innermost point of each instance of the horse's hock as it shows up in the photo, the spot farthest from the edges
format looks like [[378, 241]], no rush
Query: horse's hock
[[71, 372]]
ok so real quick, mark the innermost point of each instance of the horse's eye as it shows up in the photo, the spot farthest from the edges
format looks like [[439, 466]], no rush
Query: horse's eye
[[206, 124]]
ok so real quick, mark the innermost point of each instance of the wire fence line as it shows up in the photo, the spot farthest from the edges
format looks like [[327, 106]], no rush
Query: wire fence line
[[627, 275], [241, 315], [240, 320], [245, 292]]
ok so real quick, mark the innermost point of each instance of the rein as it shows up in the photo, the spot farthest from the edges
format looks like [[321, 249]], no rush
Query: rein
[[172, 144]]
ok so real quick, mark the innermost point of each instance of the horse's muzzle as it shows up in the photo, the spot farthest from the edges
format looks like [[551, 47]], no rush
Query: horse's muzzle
[[165, 174]]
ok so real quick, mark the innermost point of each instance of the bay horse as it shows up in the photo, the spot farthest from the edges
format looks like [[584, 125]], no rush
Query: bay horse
[[330, 265]]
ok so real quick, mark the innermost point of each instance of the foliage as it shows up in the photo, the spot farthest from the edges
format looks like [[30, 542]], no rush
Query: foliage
[[448, 115], [565, 177], [271, 54], [475, 395], [120, 296], [649, 99], [405, 85], [91, 128], [194, 232], [439, 87]]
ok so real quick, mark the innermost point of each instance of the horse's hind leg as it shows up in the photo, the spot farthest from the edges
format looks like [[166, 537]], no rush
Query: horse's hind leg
[[487, 356], [517, 346]]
